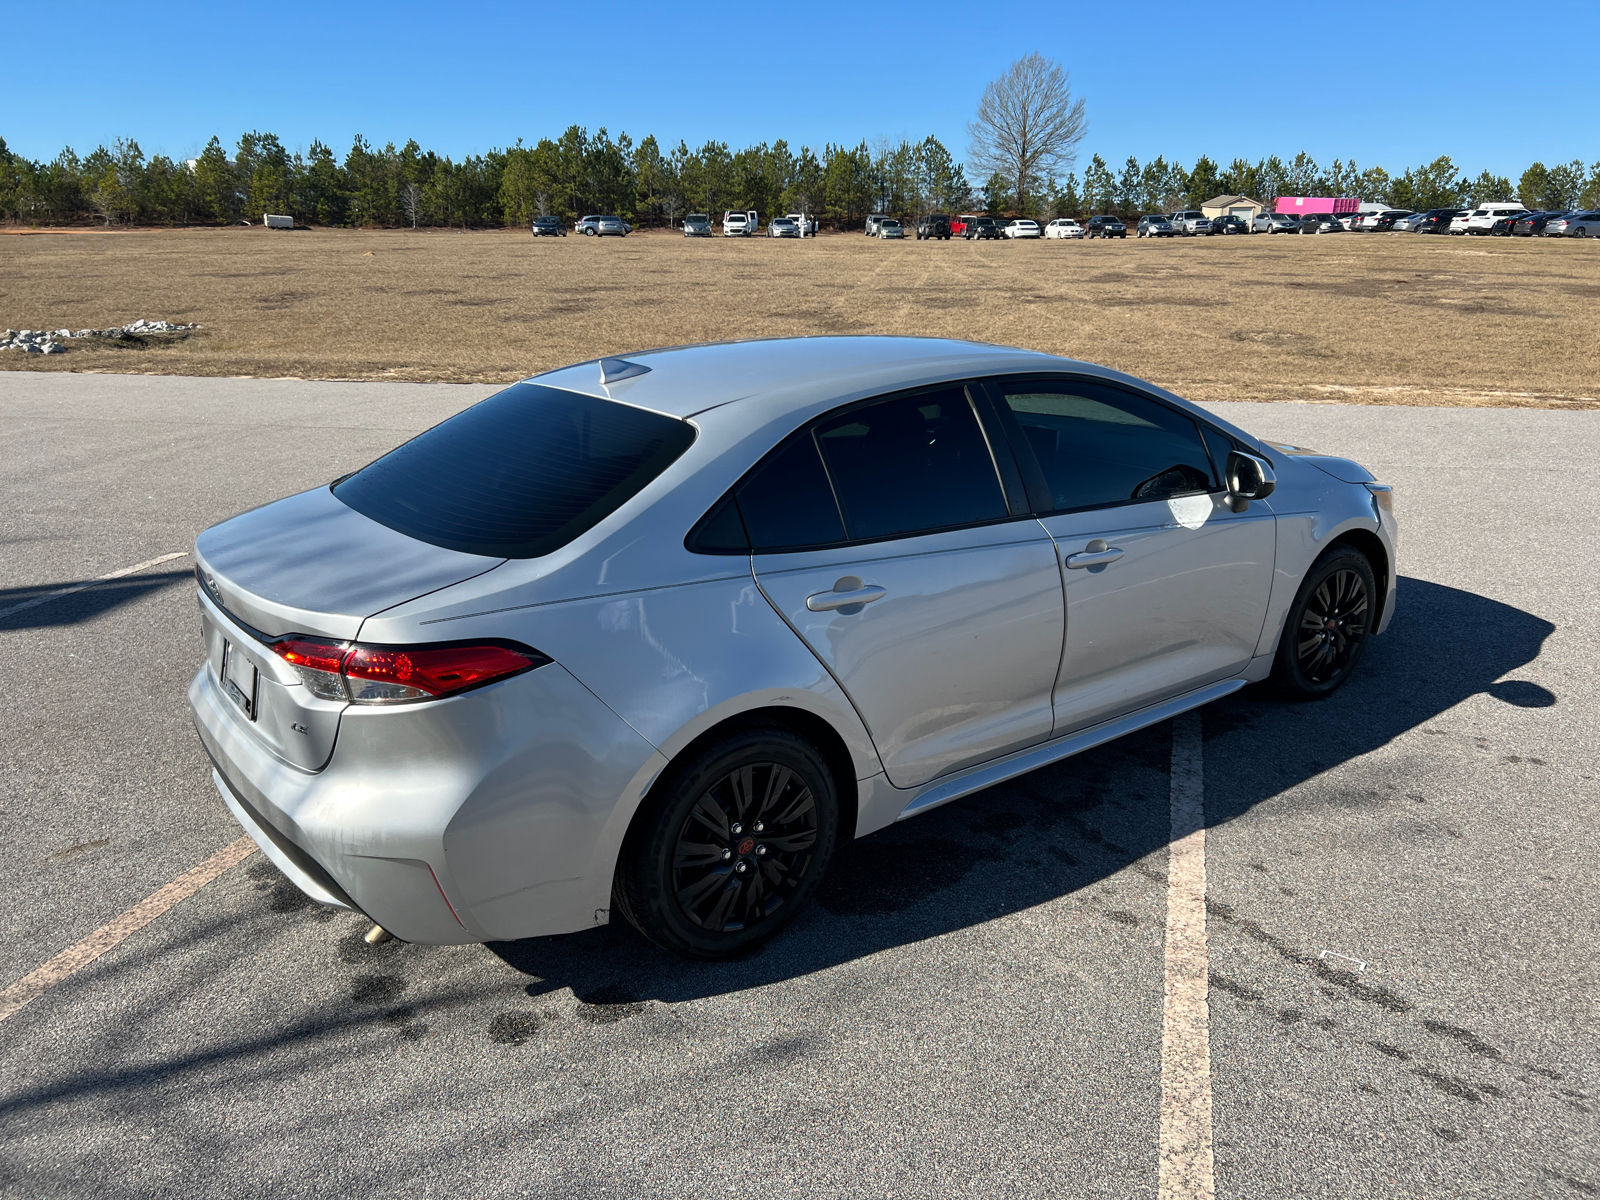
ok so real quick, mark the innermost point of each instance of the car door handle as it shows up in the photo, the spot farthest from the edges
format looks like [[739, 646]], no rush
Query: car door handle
[[858, 595], [1098, 554]]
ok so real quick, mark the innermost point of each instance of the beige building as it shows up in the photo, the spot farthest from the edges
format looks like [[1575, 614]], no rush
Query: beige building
[[1242, 207]]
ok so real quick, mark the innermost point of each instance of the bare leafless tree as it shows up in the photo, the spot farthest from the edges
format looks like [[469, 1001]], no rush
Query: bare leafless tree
[[411, 202], [1028, 126]]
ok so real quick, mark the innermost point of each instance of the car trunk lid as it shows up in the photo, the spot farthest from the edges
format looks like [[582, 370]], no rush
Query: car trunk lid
[[312, 564], [308, 564]]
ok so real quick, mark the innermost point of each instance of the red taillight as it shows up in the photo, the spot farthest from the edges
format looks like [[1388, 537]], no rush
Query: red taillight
[[304, 652], [434, 671], [392, 674]]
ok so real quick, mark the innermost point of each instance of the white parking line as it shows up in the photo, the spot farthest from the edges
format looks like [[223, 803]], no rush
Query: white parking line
[[78, 587], [74, 958], [1186, 1162]]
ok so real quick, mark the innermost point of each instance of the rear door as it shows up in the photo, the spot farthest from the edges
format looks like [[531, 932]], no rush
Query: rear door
[[883, 535], [1166, 588]]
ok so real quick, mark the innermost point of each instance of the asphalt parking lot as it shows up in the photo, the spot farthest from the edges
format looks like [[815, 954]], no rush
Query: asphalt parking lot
[[1401, 898]]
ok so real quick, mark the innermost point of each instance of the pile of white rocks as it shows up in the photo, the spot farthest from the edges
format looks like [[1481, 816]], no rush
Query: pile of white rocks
[[39, 341]]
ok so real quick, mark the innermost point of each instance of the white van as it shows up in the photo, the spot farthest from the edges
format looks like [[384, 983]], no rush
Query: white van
[[1483, 218], [739, 224]]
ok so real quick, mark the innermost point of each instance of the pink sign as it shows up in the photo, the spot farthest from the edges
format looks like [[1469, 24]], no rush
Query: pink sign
[[1299, 206]]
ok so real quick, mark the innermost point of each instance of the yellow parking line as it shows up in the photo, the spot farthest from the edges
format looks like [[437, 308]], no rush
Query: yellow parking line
[[74, 958], [1187, 1171], [78, 587]]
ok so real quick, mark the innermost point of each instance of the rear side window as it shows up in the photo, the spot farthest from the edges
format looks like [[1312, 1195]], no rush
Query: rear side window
[[787, 501], [911, 464], [1099, 446], [519, 475]]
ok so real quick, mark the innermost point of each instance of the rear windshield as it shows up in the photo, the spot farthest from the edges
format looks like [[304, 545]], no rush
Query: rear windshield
[[519, 475]]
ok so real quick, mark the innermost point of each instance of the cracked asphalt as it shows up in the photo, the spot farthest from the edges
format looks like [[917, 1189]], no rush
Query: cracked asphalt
[[1402, 893]]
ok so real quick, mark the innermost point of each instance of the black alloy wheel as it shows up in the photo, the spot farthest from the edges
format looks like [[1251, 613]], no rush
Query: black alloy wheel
[[1328, 626], [730, 844]]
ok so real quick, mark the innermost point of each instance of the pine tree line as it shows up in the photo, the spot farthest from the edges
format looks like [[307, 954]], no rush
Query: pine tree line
[[581, 173]]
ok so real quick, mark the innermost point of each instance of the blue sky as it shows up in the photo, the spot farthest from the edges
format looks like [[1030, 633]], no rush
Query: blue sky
[[1389, 85]]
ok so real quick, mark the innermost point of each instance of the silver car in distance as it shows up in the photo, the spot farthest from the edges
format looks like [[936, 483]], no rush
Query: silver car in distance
[[651, 635]]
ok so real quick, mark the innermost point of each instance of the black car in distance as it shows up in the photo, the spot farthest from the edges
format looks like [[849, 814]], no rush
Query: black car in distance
[[984, 229], [1105, 226], [1437, 220], [1532, 224], [1229, 224], [934, 225], [549, 227]]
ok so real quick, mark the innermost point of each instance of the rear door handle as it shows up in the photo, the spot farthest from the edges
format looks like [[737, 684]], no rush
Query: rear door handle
[[844, 598], [1096, 554]]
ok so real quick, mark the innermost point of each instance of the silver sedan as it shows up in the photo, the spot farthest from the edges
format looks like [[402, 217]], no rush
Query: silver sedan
[[650, 637]]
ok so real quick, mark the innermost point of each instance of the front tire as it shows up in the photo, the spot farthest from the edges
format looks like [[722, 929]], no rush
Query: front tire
[[1328, 626], [730, 844]]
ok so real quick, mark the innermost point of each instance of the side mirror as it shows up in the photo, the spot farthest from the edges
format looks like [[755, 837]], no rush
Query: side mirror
[[1249, 478]]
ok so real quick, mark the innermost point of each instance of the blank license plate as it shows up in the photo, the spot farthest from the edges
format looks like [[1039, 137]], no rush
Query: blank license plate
[[239, 679]]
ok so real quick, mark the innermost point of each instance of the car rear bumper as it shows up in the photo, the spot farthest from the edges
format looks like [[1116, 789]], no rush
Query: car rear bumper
[[493, 815]]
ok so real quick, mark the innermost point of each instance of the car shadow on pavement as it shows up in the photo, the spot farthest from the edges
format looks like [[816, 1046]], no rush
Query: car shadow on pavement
[[1061, 830], [97, 597]]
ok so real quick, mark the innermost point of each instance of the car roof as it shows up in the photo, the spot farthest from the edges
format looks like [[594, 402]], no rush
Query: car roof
[[685, 381]]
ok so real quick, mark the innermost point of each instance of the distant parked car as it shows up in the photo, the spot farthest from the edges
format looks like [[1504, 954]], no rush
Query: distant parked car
[[1229, 224], [737, 224], [873, 220], [1532, 225], [1022, 228], [889, 228], [1320, 223], [1106, 226], [1503, 226], [934, 225], [697, 225], [1274, 223], [549, 227], [1155, 225], [806, 225], [1560, 225], [1382, 222], [604, 227], [981, 229], [1583, 225], [1063, 227], [1191, 222], [1458, 223], [1437, 220], [782, 227], [958, 225], [1482, 220]]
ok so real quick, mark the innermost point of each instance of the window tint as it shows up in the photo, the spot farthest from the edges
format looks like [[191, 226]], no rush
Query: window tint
[[519, 475], [787, 501], [1099, 445], [910, 464]]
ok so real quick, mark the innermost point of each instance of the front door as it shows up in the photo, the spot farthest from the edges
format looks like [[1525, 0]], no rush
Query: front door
[[1166, 588], [935, 604]]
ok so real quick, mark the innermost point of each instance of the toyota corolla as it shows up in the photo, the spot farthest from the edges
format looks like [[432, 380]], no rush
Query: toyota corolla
[[649, 636]]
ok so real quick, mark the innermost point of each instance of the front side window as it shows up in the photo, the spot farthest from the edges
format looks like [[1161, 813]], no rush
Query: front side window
[[1098, 445], [519, 474]]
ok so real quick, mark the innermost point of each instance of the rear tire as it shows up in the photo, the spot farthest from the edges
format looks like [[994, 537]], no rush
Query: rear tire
[[729, 845], [1328, 626]]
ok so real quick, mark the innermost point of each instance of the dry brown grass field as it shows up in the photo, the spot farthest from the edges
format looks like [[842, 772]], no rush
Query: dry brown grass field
[[1387, 318]]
